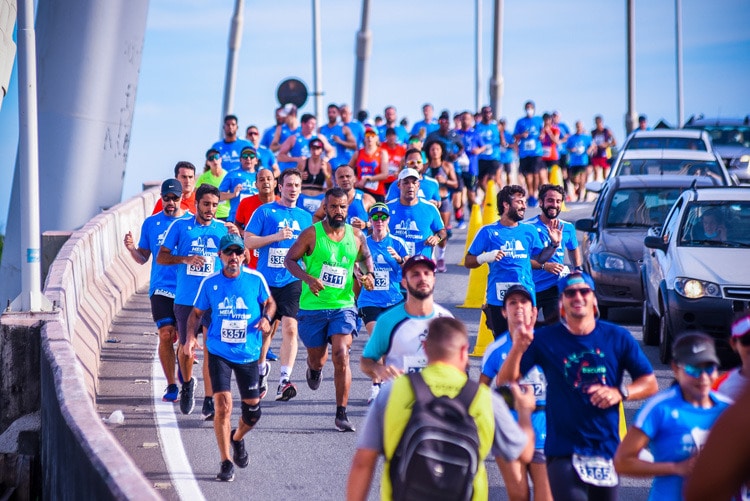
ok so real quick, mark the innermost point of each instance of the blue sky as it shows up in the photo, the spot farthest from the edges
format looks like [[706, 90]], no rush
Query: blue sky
[[568, 56]]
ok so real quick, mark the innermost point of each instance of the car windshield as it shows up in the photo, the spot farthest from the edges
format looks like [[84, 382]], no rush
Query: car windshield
[[640, 207], [667, 143], [716, 224], [640, 166], [729, 136]]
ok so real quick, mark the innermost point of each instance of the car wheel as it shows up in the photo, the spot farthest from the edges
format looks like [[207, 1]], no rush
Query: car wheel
[[665, 339], [650, 326]]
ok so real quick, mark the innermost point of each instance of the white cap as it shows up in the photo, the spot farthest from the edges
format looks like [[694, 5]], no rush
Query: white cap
[[408, 172]]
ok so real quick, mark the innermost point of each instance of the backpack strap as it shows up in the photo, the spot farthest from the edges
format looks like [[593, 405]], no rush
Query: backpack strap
[[423, 393]]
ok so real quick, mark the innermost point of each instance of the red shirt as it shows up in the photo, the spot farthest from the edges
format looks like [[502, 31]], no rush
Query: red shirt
[[369, 165], [395, 156]]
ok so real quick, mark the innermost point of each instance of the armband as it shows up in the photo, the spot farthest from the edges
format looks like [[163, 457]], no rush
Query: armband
[[487, 257]]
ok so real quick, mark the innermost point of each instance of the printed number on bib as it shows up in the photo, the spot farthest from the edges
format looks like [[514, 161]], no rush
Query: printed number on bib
[[595, 470], [202, 271], [501, 287], [382, 280], [233, 331], [333, 276], [529, 145], [276, 257]]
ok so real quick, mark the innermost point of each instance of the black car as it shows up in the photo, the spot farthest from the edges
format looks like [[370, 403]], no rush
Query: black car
[[612, 248]]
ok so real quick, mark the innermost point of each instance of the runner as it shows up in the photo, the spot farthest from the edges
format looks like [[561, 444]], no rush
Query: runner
[[735, 381], [230, 147], [316, 177], [444, 173], [429, 189], [240, 183], [371, 165], [526, 135], [214, 174]]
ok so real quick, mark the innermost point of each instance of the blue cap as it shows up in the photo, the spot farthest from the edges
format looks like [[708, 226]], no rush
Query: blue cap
[[229, 240], [379, 208], [577, 277]]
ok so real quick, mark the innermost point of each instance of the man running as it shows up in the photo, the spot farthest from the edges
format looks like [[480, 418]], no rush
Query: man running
[[530, 167], [241, 309], [163, 282], [231, 145], [327, 315]]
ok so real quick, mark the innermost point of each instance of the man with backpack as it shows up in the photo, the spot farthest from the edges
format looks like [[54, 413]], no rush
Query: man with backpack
[[462, 419]]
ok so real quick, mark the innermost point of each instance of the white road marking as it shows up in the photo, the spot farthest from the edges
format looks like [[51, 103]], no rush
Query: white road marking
[[172, 450]]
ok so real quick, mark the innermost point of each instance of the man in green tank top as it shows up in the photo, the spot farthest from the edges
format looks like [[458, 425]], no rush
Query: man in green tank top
[[330, 249]]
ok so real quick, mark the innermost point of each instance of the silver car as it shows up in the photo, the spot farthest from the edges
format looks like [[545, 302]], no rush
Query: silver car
[[695, 268]]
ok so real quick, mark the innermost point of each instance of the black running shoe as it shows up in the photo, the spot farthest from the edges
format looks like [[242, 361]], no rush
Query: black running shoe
[[241, 458], [313, 378], [227, 472], [187, 397]]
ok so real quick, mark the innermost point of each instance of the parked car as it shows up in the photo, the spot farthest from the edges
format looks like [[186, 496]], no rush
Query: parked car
[[612, 247], [731, 140], [668, 139], [695, 268]]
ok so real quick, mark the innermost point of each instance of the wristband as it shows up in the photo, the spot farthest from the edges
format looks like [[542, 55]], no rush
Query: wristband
[[486, 257], [543, 264], [267, 318]]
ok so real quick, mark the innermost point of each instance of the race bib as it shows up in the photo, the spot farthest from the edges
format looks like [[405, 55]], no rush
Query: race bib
[[233, 331], [276, 257], [202, 271], [333, 276], [501, 287], [414, 363], [546, 151], [372, 185], [595, 470], [382, 280], [529, 145]]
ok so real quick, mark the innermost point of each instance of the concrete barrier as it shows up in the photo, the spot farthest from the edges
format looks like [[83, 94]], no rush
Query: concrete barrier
[[90, 280]]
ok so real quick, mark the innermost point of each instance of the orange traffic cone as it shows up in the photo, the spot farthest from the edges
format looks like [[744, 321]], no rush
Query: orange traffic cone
[[484, 338], [489, 211], [555, 177], [475, 222]]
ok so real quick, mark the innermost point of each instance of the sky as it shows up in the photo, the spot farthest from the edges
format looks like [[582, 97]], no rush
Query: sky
[[567, 56]]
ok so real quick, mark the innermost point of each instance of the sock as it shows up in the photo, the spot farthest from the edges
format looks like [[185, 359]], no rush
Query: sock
[[459, 214], [261, 371], [440, 252], [340, 411], [286, 374]]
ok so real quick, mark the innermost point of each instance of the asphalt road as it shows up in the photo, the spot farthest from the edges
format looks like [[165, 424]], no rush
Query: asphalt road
[[295, 451]]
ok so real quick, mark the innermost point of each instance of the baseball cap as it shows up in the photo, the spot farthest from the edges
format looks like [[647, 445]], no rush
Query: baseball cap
[[741, 326], [419, 259], [212, 151], [250, 149], [574, 278], [518, 289], [316, 141], [288, 109], [171, 186], [694, 348], [229, 240], [408, 172], [379, 208], [370, 130]]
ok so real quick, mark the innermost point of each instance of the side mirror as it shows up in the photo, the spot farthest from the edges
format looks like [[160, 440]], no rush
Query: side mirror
[[655, 242], [594, 186], [585, 225]]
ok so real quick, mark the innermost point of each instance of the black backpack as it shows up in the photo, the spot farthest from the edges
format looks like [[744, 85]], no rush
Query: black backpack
[[438, 455]]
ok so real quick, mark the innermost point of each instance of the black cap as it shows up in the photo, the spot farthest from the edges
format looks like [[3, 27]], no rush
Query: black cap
[[694, 348], [212, 151], [171, 186], [518, 289], [419, 259], [445, 115]]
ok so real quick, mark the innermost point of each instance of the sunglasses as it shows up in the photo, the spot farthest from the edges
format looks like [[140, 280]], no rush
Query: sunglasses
[[170, 198], [744, 340], [695, 372], [253, 133], [571, 293], [213, 156], [379, 217], [233, 250], [248, 155], [414, 162]]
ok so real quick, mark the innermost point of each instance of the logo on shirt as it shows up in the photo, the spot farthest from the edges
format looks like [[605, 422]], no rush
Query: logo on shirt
[[585, 369], [204, 246], [515, 249], [230, 307]]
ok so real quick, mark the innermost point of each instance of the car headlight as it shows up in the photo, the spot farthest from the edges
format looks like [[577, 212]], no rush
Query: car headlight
[[694, 289], [609, 262]]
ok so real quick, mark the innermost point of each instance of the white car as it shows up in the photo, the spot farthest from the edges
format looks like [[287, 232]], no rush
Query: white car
[[695, 268], [668, 139]]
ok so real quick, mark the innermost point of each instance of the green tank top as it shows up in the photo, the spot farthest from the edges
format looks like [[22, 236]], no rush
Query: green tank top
[[333, 263]]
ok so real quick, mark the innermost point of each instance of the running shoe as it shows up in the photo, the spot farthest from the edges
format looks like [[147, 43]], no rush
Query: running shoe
[[172, 394], [208, 408], [227, 472], [441, 267], [313, 378], [271, 356], [187, 397], [263, 379], [342, 423], [461, 225], [374, 392], [286, 391], [240, 456], [532, 202]]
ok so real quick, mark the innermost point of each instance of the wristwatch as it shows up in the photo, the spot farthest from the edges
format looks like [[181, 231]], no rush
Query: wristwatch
[[624, 391]]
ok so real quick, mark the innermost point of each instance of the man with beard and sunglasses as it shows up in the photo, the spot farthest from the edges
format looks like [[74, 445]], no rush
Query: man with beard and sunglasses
[[330, 249], [163, 282], [546, 275], [395, 346], [584, 360], [508, 248], [192, 245]]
